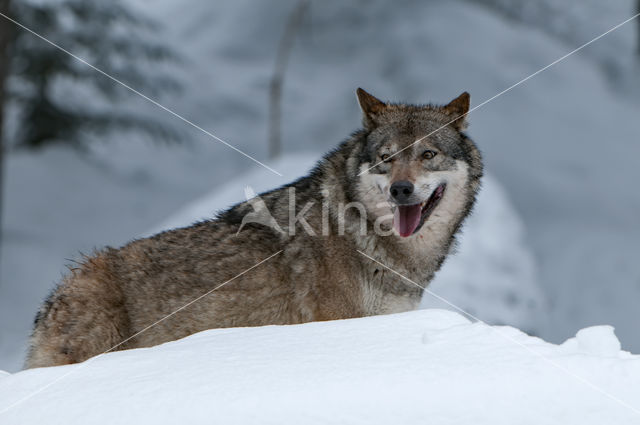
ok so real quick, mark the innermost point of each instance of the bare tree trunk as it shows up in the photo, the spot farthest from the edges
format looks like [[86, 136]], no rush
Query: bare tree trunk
[[277, 80], [6, 29], [638, 28]]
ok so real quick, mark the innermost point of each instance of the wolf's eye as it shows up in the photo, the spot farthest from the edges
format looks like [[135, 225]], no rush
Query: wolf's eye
[[385, 157], [428, 154]]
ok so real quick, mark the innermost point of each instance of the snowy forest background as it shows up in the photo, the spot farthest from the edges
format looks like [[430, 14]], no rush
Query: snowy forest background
[[86, 163]]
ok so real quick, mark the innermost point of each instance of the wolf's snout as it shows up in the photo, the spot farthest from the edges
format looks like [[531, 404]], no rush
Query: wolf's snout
[[401, 191]]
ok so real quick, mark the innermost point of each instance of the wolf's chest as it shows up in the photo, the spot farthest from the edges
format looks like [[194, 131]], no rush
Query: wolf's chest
[[385, 292]]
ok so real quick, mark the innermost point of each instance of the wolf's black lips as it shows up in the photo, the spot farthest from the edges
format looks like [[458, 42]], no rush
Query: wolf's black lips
[[430, 205]]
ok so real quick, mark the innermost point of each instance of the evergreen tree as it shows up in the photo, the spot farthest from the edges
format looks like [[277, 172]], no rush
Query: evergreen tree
[[58, 99]]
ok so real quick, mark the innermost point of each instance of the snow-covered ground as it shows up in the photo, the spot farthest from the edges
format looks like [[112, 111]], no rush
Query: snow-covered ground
[[428, 366], [563, 145]]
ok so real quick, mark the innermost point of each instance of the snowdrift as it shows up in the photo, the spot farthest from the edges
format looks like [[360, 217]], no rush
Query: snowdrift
[[427, 366]]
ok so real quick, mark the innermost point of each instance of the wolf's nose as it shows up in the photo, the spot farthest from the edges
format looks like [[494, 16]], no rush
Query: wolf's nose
[[401, 190]]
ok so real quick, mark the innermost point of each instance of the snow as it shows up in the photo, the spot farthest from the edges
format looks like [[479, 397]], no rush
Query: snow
[[259, 179], [428, 366], [596, 340], [491, 275], [563, 146]]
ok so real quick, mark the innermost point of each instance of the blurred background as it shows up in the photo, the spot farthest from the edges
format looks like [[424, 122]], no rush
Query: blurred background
[[87, 163]]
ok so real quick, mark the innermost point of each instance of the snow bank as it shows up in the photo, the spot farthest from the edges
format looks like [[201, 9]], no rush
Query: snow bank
[[231, 190], [492, 275], [428, 366]]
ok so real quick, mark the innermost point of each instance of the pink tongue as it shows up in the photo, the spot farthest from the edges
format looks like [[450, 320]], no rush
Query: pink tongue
[[406, 218]]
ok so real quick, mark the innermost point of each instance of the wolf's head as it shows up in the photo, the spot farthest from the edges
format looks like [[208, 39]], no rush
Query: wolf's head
[[418, 164]]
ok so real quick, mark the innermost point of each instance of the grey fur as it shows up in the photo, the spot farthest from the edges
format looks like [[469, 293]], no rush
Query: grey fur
[[118, 292]]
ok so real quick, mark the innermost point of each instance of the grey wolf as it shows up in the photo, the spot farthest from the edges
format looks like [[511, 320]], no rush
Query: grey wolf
[[379, 192]]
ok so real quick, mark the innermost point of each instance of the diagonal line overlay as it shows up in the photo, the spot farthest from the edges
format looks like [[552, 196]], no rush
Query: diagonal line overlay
[[507, 337], [560, 59], [175, 114], [87, 362]]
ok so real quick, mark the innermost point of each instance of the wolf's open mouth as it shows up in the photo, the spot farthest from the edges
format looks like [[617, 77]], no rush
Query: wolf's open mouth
[[408, 219]]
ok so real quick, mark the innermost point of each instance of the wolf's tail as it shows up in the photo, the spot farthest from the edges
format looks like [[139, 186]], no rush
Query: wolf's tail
[[83, 317]]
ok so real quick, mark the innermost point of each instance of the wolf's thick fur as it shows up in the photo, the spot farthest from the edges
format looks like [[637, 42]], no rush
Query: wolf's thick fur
[[119, 292]]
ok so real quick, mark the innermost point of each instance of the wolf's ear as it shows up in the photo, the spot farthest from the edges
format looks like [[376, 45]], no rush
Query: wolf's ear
[[371, 107], [459, 107]]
